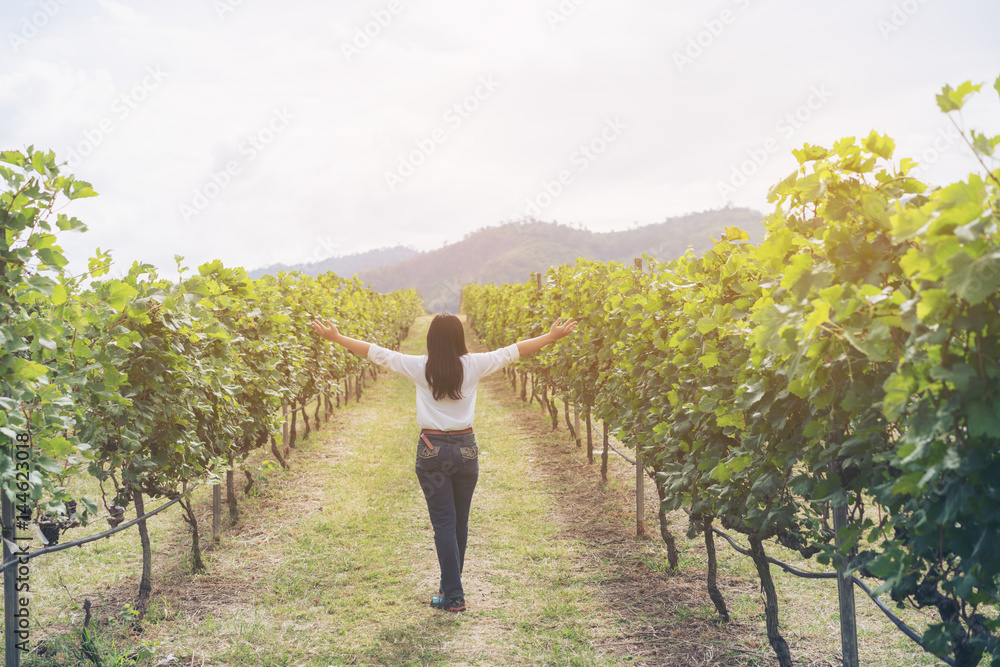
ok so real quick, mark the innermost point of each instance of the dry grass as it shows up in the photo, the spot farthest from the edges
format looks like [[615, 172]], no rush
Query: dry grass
[[667, 618], [332, 562], [645, 615]]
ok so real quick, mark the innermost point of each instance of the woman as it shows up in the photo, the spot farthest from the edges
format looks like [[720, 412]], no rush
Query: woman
[[447, 462]]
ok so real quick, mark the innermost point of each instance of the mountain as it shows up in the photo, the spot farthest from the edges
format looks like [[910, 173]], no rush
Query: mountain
[[511, 251], [345, 266]]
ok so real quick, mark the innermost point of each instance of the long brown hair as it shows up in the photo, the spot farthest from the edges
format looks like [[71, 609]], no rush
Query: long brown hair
[[445, 347]]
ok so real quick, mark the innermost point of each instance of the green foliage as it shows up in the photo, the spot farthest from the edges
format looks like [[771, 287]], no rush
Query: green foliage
[[41, 364], [852, 358], [145, 382]]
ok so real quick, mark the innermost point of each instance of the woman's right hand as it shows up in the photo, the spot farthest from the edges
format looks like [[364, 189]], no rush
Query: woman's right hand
[[560, 328], [328, 332]]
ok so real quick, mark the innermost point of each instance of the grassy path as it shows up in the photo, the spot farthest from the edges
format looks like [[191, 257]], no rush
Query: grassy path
[[333, 563], [352, 567]]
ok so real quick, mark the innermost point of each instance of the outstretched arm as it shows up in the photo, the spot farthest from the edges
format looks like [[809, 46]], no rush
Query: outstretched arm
[[558, 330], [331, 334]]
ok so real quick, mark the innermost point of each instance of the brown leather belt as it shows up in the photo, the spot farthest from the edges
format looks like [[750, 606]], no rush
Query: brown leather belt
[[436, 432]]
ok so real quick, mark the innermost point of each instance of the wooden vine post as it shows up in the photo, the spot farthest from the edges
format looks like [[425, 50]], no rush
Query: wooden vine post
[[845, 595], [640, 468], [216, 511], [146, 579], [590, 436], [604, 454], [284, 424], [538, 297]]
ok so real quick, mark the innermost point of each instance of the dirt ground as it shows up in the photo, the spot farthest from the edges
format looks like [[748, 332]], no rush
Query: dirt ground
[[666, 618]]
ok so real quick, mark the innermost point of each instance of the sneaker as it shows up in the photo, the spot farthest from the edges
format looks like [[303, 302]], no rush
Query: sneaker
[[448, 604], [439, 598]]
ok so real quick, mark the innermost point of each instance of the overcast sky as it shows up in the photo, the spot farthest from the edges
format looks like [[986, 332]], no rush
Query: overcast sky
[[255, 131]]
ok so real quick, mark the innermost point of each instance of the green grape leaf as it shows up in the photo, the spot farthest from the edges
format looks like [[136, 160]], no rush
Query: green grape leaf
[[58, 447], [82, 190], [722, 472], [984, 145], [897, 390], [952, 99], [973, 279], [879, 144], [932, 302], [48, 464], [706, 324], [782, 187], [983, 419], [59, 295], [28, 370]]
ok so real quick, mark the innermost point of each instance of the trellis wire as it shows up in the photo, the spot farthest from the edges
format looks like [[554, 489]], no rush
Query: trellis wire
[[93, 538], [898, 622]]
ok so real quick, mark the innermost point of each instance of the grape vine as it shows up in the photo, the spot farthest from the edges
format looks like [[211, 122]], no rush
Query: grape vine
[[146, 383], [851, 360]]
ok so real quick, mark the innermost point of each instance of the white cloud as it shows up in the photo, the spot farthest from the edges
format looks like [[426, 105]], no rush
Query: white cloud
[[324, 175], [123, 14]]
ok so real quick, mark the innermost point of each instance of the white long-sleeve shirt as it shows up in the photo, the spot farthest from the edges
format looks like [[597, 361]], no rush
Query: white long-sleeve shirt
[[447, 414]]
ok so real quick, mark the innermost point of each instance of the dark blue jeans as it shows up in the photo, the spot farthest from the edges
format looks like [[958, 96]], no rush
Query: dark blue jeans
[[448, 475]]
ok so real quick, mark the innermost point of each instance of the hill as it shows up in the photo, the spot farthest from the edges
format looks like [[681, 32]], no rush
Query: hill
[[346, 266], [511, 251]]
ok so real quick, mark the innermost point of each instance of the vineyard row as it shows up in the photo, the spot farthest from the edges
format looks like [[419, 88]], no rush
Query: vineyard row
[[845, 368]]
